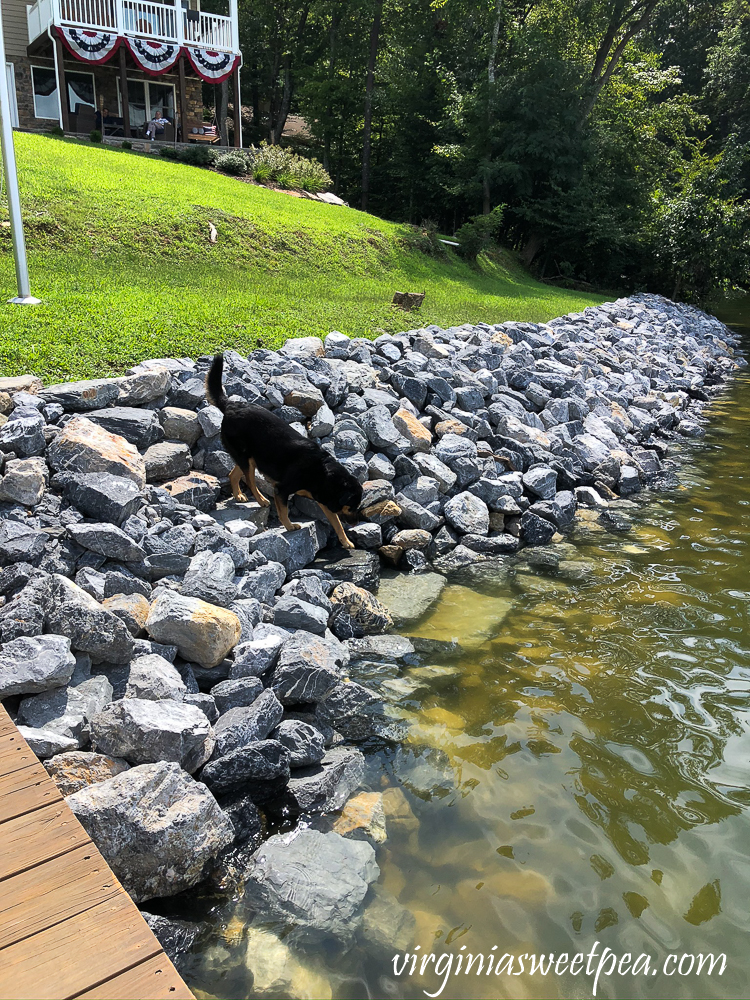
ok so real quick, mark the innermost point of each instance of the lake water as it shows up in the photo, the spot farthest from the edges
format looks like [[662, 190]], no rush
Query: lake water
[[590, 777]]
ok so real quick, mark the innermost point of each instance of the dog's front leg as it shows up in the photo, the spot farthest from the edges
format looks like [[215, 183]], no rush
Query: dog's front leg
[[337, 526], [283, 511]]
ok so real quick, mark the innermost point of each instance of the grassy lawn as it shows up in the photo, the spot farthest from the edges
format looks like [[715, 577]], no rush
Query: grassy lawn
[[120, 253]]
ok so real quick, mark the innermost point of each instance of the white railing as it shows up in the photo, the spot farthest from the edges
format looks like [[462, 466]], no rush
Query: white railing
[[151, 20], [88, 13], [210, 31], [158, 21]]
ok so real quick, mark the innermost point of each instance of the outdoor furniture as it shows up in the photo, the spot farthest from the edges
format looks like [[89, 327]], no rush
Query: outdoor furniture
[[204, 133], [166, 136], [85, 118]]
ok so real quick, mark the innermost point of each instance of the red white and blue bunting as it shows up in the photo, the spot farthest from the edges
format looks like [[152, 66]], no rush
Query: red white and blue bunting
[[213, 67], [93, 47], [154, 58]]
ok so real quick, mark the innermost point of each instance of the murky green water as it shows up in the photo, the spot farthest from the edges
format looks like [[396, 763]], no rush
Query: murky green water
[[599, 749]]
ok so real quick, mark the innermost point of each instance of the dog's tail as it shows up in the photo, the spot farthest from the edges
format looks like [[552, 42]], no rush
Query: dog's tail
[[214, 388]]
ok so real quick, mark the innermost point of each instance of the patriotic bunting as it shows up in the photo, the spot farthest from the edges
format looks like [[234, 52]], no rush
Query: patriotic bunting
[[213, 67], [93, 47], [153, 57]]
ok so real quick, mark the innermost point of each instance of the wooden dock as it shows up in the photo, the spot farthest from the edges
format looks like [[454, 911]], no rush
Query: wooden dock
[[67, 927]]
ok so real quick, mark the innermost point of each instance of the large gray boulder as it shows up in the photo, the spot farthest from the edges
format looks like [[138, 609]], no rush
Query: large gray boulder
[[241, 726], [67, 710], [307, 669], [143, 732], [30, 665], [313, 882], [158, 828], [265, 760]]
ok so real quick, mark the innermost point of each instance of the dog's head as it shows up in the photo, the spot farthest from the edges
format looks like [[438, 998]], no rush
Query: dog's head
[[341, 492]]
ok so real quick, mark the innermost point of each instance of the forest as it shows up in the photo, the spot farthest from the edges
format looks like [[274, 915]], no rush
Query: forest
[[606, 141]]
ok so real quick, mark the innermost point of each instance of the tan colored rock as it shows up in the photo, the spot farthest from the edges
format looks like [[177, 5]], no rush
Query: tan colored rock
[[363, 817], [197, 488], [84, 446], [278, 971], [21, 383], [381, 513], [391, 553], [202, 632], [398, 813], [132, 609], [501, 337], [451, 427], [6, 402], [412, 538], [77, 769], [415, 433]]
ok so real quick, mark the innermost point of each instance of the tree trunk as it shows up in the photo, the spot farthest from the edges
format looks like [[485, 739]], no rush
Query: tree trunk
[[369, 87], [486, 199], [286, 101], [332, 41], [222, 114], [608, 59]]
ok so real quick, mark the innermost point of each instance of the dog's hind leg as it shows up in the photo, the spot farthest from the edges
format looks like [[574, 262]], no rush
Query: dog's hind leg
[[250, 477], [337, 526], [283, 511], [234, 481]]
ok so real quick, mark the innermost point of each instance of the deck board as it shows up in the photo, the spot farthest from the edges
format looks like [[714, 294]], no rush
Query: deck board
[[67, 927]]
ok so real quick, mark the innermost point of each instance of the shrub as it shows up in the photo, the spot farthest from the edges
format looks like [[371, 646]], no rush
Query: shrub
[[261, 172], [95, 135], [169, 153], [198, 156], [425, 239], [286, 179], [479, 233], [56, 131], [127, 144], [232, 163], [274, 163]]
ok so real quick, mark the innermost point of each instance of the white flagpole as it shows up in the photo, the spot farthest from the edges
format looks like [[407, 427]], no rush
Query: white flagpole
[[24, 296]]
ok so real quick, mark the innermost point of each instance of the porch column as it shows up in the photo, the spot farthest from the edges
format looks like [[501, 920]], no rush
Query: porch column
[[124, 93], [237, 109], [62, 90], [183, 99]]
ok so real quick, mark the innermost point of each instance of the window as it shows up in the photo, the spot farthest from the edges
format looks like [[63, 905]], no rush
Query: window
[[80, 90], [147, 98], [46, 104]]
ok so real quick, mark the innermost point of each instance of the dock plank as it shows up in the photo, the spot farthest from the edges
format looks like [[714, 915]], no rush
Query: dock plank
[[67, 927], [155, 978], [25, 790], [44, 966], [49, 893], [39, 836]]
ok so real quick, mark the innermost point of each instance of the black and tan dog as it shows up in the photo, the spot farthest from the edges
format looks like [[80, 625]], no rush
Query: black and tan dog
[[258, 439]]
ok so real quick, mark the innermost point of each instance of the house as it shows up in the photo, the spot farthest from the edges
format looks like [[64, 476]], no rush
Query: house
[[121, 60]]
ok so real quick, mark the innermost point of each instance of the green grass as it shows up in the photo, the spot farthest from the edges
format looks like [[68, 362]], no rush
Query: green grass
[[120, 254]]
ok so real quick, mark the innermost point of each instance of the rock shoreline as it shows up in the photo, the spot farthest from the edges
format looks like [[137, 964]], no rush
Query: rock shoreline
[[189, 670]]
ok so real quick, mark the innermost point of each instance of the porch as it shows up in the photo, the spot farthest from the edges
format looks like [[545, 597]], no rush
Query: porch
[[114, 65]]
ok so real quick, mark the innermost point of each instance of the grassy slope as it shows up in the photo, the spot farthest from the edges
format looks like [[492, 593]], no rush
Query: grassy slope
[[120, 253]]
